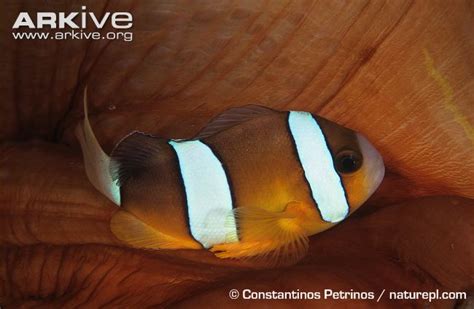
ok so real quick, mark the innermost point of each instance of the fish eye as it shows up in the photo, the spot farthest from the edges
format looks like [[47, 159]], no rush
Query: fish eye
[[348, 161]]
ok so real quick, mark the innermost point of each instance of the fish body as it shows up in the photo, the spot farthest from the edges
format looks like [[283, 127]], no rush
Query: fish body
[[254, 182]]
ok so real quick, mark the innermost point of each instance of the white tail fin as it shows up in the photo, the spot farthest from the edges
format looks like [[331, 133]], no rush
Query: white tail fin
[[96, 161]]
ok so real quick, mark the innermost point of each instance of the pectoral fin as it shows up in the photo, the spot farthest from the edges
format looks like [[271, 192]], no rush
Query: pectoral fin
[[275, 238]]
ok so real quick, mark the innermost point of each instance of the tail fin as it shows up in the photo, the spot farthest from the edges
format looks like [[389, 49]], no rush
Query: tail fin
[[96, 161]]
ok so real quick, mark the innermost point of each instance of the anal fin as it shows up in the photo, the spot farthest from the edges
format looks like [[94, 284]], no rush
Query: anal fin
[[136, 233]]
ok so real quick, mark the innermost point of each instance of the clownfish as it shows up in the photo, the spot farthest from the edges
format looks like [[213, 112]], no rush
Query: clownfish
[[255, 182]]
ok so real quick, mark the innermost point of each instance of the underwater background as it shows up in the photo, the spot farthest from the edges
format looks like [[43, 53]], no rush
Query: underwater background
[[400, 72]]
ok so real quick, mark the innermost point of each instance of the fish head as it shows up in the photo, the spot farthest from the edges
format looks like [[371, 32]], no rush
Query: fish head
[[356, 160]]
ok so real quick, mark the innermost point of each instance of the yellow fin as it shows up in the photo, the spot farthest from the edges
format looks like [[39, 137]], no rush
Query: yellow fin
[[273, 238], [137, 233]]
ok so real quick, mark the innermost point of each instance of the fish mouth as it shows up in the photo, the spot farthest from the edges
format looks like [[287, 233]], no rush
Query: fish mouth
[[374, 165]]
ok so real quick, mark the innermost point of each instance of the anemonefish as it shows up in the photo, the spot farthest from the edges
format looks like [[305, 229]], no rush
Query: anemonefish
[[254, 182]]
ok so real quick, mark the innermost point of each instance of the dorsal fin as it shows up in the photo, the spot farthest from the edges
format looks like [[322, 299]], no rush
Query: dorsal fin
[[232, 117], [96, 161], [134, 155]]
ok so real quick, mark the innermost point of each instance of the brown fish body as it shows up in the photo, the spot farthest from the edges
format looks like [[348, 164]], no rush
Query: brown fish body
[[245, 186]]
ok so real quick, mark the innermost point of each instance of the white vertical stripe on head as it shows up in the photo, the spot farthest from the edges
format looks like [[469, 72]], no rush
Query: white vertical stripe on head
[[316, 160], [208, 195]]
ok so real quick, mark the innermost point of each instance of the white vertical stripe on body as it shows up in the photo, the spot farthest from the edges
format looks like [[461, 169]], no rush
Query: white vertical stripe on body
[[208, 195], [316, 160]]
